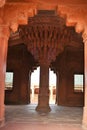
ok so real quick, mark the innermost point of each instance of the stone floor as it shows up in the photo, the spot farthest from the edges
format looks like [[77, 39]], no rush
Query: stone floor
[[24, 117]]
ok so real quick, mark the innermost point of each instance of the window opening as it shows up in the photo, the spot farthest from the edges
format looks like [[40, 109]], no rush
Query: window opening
[[78, 82], [9, 80]]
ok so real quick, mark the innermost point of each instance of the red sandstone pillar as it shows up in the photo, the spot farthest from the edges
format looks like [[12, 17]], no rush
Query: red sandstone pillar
[[24, 86], [43, 98], [85, 75], [4, 34]]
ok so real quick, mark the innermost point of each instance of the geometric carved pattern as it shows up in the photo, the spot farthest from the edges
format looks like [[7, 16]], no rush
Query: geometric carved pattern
[[46, 36]]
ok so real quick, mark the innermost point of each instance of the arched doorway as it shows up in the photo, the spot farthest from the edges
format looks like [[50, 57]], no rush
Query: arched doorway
[[34, 86], [51, 44], [52, 87]]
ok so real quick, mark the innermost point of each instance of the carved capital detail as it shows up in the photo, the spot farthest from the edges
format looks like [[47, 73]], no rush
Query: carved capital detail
[[18, 13], [46, 36]]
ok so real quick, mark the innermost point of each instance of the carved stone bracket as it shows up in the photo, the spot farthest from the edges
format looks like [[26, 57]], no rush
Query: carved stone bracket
[[18, 13], [46, 36], [74, 15], [15, 14]]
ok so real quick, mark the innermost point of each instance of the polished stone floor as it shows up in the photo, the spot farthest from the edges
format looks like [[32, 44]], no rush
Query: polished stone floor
[[24, 117]]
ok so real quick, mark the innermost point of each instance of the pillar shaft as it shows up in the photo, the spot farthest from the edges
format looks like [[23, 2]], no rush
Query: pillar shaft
[[24, 86], [85, 76], [3, 56], [43, 98]]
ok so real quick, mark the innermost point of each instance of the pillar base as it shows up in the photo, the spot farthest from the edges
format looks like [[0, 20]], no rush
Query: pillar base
[[2, 122], [84, 122], [84, 127], [43, 108]]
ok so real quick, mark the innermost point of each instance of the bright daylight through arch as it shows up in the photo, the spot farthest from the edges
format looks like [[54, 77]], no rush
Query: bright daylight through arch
[[35, 86]]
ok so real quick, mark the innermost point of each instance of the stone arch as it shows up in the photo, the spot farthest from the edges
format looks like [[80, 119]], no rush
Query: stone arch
[[19, 14], [11, 15], [74, 17], [73, 14], [14, 14]]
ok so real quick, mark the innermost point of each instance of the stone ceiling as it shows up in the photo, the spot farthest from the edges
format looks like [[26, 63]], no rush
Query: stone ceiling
[[52, 1], [45, 18]]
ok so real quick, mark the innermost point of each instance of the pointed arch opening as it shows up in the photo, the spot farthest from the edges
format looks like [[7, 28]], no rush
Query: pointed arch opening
[[52, 87], [34, 86]]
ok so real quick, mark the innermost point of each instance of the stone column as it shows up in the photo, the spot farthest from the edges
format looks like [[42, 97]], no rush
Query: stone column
[[24, 86], [43, 98], [85, 76], [4, 34]]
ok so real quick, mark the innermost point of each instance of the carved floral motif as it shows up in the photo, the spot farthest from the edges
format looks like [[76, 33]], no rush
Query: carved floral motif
[[46, 37]]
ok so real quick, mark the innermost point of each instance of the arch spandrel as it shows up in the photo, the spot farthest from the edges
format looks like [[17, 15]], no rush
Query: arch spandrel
[[18, 13], [15, 14], [76, 15]]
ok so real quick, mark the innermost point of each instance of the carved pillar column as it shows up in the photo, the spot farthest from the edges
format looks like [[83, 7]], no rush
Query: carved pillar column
[[4, 34], [24, 86], [85, 76], [43, 98]]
